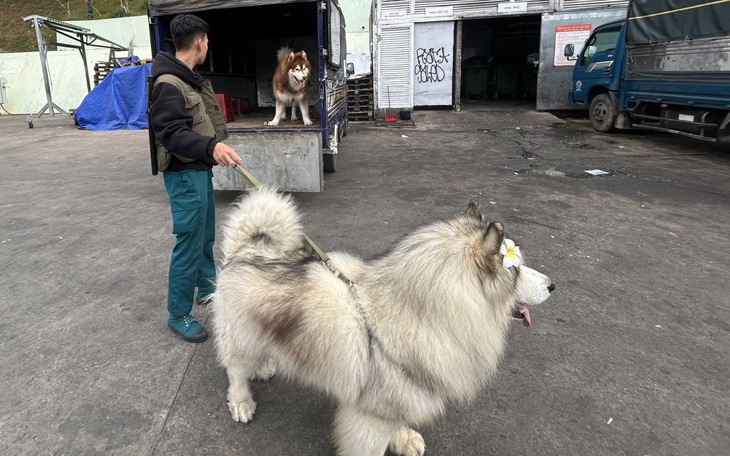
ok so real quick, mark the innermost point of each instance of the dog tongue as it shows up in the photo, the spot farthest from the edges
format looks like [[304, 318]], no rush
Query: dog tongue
[[301, 85], [525, 313]]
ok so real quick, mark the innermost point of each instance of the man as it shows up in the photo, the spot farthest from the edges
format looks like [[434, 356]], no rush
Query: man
[[188, 127]]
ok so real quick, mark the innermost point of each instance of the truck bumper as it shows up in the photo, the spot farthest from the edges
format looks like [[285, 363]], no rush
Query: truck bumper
[[291, 162]]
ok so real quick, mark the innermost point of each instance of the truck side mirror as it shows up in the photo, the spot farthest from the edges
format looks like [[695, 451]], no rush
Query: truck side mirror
[[569, 50], [350, 69]]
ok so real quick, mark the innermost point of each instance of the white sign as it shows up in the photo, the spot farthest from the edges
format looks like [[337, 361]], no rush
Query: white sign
[[395, 14], [440, 11], [569, 34], [512, 7]]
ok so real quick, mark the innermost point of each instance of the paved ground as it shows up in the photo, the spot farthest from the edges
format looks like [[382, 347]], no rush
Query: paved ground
[[629, 357]]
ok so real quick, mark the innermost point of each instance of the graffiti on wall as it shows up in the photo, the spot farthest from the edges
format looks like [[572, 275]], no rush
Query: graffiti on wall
[[429, 65], [433, 63]]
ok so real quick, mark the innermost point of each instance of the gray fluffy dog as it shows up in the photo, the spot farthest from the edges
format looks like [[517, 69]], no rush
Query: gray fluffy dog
[[424, 325]]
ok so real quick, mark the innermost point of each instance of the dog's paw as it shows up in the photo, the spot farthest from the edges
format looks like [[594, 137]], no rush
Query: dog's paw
[[272, 122], [242, 411], [408, 442], [307, 122], [265, 372]]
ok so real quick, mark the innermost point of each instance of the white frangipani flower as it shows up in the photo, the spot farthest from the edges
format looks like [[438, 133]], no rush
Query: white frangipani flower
[[511, 254]]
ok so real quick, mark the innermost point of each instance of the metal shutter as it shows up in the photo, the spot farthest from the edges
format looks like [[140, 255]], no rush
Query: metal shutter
[[593, 4], [394, 59]]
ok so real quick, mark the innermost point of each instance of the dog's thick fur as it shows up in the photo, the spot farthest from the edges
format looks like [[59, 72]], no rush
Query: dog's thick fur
[[290, 85], [424, 326]]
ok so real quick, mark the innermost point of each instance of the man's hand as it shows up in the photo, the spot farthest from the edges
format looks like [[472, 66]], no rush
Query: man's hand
[[224, 155]]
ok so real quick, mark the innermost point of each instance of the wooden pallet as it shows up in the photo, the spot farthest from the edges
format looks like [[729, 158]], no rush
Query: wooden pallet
[[102, 70], [360, 83], [362, 116], [360, 106]]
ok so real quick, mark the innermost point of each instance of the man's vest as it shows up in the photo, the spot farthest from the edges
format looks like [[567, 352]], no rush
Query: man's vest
[[203, 107]]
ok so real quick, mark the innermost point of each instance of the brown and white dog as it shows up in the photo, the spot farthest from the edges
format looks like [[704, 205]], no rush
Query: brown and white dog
[[290, 83]]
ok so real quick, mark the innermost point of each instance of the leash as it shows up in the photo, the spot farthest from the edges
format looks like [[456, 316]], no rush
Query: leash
[[309, 244]]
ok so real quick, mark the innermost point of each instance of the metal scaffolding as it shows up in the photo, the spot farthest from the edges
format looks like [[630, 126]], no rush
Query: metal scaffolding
[[84, 37]]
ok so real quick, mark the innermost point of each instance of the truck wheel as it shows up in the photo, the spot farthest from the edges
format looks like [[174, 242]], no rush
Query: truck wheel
[[329, 162], [602, 113]]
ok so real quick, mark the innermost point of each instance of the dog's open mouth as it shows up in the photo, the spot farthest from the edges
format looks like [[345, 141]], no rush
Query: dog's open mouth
[[301, 83], [523, 313]]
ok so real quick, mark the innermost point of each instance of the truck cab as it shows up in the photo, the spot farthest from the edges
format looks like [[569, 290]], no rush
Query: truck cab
[[597, 73]]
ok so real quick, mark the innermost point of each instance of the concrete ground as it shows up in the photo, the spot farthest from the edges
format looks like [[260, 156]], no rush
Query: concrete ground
[[629, 356]]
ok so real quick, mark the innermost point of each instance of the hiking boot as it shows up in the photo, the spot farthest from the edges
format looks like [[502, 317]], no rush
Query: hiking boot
[[204, 301], [188, 328]]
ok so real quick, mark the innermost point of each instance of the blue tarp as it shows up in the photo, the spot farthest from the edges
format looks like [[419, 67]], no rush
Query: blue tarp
[[119, 102]]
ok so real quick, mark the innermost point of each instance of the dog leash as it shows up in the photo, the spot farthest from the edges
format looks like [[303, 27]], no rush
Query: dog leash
[[309, 244]]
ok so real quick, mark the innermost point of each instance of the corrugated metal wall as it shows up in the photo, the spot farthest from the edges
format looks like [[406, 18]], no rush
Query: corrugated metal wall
[[592, 4], [471, 7], [554, 82], [394, 67], [394, 5]]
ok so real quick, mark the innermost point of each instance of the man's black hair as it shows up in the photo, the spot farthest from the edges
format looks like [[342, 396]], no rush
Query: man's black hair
[[185, 29]]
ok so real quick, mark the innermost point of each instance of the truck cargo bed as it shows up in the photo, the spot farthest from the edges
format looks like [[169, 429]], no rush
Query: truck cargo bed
[[256, 121]]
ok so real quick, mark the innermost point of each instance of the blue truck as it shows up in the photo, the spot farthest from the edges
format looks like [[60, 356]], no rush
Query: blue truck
[[666, 67]]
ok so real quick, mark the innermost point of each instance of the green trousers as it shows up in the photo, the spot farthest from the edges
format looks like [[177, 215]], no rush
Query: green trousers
[[192, 201]]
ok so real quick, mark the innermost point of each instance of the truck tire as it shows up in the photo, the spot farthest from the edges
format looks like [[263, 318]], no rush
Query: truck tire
[[602, 113], [329, 162]]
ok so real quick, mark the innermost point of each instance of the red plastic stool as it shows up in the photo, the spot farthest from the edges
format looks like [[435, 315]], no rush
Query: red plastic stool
[[238, 105], [226, 104]]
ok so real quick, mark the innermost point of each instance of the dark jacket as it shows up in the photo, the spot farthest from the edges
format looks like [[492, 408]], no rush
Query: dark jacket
[[171, 122]]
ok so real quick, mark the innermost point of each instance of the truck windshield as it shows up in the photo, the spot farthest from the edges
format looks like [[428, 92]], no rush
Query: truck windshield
[[601, 41]]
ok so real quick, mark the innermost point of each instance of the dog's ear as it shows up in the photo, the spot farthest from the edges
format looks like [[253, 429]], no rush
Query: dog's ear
[[304, 54], [474, 211], [290, 56], [494, 236]]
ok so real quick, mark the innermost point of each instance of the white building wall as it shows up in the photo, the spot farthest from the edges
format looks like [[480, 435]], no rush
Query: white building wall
[[357, 20], [129, 32], [393, 21]]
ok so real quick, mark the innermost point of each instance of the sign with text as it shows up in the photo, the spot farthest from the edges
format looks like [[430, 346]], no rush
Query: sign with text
[[569, 34], [394, 14], [512, 7], [440, 11]]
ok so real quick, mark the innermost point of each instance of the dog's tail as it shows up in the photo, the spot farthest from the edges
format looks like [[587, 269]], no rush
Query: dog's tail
[[283, 53], [263, 218]]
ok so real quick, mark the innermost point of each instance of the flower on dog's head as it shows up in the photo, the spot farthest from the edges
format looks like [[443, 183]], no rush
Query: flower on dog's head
[[511, 254]]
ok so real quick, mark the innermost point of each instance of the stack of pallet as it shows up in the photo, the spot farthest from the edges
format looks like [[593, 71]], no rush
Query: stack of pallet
[[360, 99], [102, 70]]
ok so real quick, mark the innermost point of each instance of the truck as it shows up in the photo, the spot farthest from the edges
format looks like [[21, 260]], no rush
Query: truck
[[666, 67], [245, 36]]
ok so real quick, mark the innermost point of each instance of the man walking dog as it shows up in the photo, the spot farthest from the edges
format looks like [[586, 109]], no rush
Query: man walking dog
[[188, 128]]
